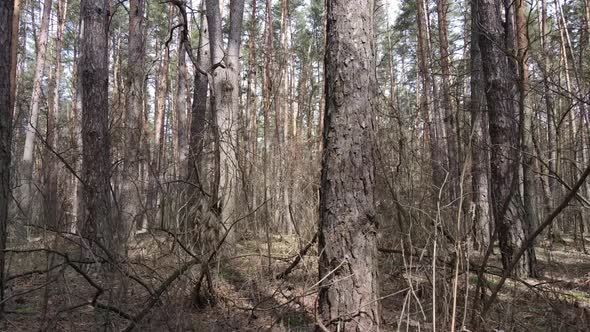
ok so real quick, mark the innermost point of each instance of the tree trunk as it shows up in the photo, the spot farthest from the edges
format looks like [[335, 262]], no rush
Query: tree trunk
[[130, 202], [6, 106], [14, 51], [426, 100], [180, 106], [50, 167], [481, 210], [504, 135], [526, 119], [447, 103], [96, 223], [347, 243], [252, 113], [31, 132], [266, 100], [225, 103], [196, 158]]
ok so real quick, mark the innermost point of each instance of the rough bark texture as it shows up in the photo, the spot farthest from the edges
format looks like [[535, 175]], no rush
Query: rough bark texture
[[526, 119], [504, 134], [347, 246], [481, 210], [131, 195], [6, 102], [225, 103], [96, 221], [196, 157]]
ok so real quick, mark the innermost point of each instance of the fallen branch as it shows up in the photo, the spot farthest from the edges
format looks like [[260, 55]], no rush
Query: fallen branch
[[297, 259], [531, 238]]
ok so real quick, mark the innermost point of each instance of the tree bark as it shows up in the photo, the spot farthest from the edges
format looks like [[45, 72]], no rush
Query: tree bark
[[180, 116], [481, 210], [31, 132], [196, 158], [130, 202], [426, 100], [504, 134], [347, 243], [6, 106], [225, 103], [447, 103], [526, 119], [50, 167], [96, 223]]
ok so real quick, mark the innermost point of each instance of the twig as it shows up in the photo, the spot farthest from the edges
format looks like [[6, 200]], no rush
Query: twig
[[297, 259], [531, 238]]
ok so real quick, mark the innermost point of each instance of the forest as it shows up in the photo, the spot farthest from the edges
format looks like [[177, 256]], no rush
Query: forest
[[295, 165]]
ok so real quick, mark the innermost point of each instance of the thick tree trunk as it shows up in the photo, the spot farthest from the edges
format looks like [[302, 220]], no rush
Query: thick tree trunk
[[6, 106], [347, 243], [481, 209], [96, 221], [225, 103], [504, 135]]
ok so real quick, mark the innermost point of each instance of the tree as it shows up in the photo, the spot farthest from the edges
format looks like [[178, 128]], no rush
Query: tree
[[6, 105], [29, 149], [450, 130], [347, 242], [481, 210], [50, 160], [426, 97], [224, 105], [131, 195], [96, 223], [499, 77]]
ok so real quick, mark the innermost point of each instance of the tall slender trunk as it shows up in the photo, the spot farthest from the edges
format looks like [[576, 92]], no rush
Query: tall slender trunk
[[31, 131], [252, 113], [180, 118], [14, 50], [130, 203], [425, 102], [481, 210], [526, 131], [196, 157], [551, 183], [447, 103], [51, 199], [6, 106], [266, 104]]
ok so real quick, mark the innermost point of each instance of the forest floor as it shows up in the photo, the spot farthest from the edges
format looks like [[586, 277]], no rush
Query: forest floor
[[248, 300]]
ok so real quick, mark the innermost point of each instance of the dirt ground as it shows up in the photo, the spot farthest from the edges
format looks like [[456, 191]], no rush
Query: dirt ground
[[248, 300]]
